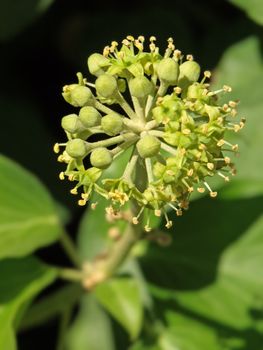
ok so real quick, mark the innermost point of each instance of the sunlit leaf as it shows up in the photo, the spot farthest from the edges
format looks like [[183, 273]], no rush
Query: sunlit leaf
[[28, 217], [122, 299], [20, 281]]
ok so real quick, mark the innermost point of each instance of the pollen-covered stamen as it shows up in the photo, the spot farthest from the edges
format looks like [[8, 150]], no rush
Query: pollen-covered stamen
[[211, 192], [169, 223], [226, 178], [178, 211], [189, 188], [62, 175]]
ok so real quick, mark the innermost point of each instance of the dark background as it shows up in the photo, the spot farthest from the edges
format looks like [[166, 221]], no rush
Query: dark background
[[42, 56]]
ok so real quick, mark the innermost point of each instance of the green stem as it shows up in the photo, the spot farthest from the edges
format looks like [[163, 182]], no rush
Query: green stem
[[138, 105], [70, 248], [156, 133], [64, 322], [126, 107], [71, 275], [168, 149], [103, 108], [148, 164], [112, 141], [130, 166]]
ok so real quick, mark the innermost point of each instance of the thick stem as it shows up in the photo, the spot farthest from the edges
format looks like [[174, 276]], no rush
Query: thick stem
[[70, 248]]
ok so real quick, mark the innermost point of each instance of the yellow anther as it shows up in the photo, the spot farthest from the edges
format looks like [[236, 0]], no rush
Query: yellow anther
[[232, 104], [190, 172], [56, 148], [235, 147], [106, 51], [177, 90], [82, 202], [207, 74], [210, 166], [227, 160], [141, 38], [130, 37], [157, 212], [170, 40], [71, 177], [152, 38], [147, 228], [74, 191], [227, 88], [220, 143], [190, 57], [169, 224], [186, 131], [62, 175], [135, 220], [201, 189], [213, 194]]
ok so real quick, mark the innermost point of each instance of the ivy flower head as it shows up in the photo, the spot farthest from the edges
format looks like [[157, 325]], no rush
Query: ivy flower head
[[171, 121]]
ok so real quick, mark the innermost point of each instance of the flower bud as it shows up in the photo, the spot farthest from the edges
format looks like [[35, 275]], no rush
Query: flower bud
[[101, 158], [140, 87], [77, 95], [76, 148], [112, 124], [71, 123], [189, 73], [168, 71], [106, 85], [96, 63], [89, 116], [148, 146]]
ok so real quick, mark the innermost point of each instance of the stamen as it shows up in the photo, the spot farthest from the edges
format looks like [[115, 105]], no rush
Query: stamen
[[169, 223], [212, 194], [56, 148], [62, 175], [226, 178]]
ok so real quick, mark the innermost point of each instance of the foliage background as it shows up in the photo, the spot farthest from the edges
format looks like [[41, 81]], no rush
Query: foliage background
[[207, 286]]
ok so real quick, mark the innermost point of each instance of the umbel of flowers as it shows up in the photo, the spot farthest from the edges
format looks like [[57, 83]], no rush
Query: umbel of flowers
[[170, 120]]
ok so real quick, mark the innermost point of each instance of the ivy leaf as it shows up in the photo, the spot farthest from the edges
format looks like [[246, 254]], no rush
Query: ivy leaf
[[20, 281], [121, 297], [28, 217], [93, 230], [253, 8], [91, 328], [16, 15], [212, 269], [247, 86]]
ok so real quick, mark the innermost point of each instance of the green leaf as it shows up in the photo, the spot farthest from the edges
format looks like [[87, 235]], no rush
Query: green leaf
[[28, 217], [93, 230], [20, 281], [121, 297], [253, 8], [213, 268], [91, 328], [183, 333], [247, 83], [15, 15]]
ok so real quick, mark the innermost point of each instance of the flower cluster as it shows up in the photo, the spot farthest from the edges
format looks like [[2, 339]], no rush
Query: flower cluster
[[174, 125]]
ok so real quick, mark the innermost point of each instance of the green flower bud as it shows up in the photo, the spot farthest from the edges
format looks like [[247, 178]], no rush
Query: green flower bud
[[96, 63], [121, 85], [140, 87], [101, 158], [106, 85], [189, 73], [77, 95], [71, 123], [76, 148], [89, 116], [168, 71], [112, 124], [148, 146]]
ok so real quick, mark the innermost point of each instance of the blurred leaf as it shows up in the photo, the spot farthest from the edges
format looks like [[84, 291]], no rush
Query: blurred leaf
[[51, 306], [213, 268], [20, 281], [183, 333], [91, 329], [247, 84], [28, 217], [253, 8], [122, 299], [93, 230], [15, 15]]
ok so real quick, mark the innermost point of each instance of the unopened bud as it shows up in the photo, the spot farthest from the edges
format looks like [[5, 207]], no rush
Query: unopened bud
[[168, 71], [106, 85], [89, 116], [77, 95], [148, 146], [101, 158], [76, 148], [189, 73], [112, 124], [97, 63], [71, 123], [140, 87]]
